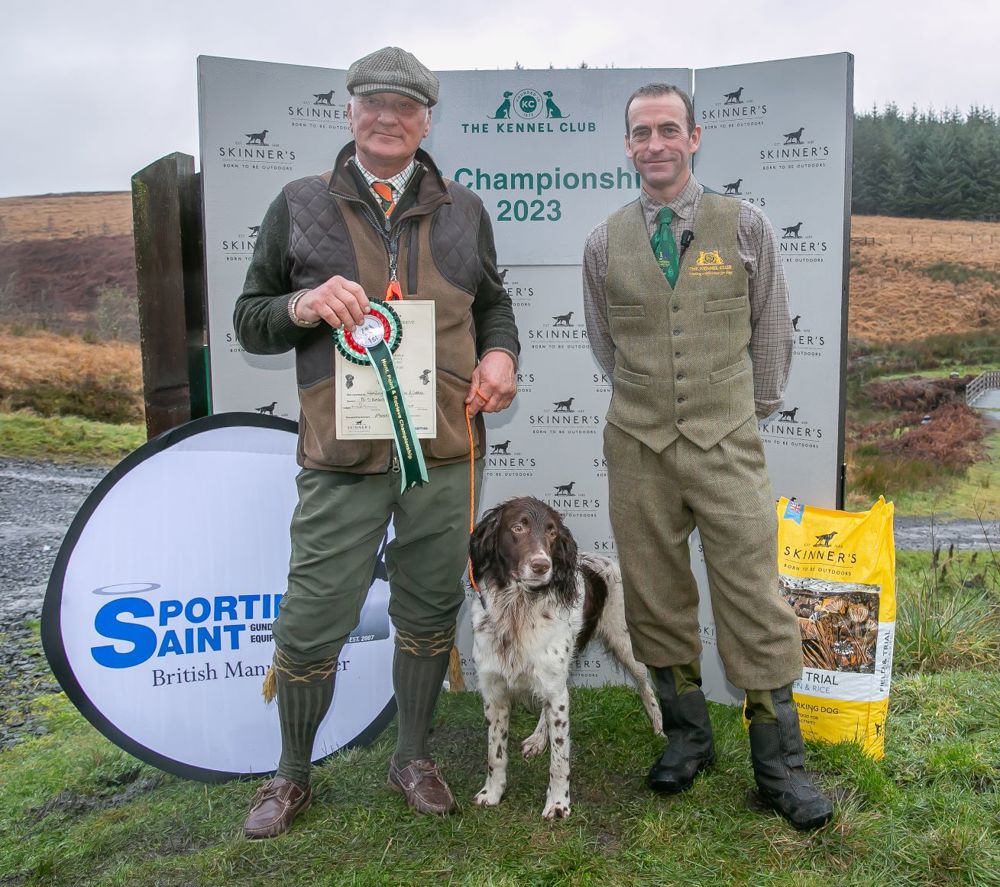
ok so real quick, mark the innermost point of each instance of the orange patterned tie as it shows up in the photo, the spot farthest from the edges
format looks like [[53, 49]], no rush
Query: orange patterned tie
[[384, 192]]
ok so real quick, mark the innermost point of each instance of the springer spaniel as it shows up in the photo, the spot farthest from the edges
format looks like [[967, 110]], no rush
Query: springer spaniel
[[541, 602]]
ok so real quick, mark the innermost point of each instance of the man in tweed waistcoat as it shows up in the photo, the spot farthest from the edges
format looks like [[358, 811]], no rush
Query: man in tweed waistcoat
[[382, 222], [687, 312]]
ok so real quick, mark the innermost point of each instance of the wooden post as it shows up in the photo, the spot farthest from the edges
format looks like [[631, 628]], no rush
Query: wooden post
[[166, 219]]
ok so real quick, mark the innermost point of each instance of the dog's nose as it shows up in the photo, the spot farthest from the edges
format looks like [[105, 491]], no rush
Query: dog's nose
[[540, 565]]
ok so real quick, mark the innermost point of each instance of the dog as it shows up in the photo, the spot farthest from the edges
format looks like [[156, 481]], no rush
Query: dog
[[256, 138], [824, 540], [734, 97], [563, 406], [324, 98], [734, 187], [565, 489], [795, 322], [791, 231], [787, 415], [541, 602], [267, 410], [500, 448], [794, 138], [503, 112], [562, 319], [551, 108]]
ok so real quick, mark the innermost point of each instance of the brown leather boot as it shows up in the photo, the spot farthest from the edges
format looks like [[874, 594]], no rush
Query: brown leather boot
[[421, 783], [275, 806]]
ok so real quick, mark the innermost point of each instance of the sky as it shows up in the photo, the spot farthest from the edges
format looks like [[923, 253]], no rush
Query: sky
[[92, 92]]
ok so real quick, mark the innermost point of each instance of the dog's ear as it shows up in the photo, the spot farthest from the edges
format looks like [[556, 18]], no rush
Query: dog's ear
[[564, 552], [483, 545]]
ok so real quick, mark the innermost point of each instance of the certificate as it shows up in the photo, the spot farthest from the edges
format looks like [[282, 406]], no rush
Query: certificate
[[362, 413]]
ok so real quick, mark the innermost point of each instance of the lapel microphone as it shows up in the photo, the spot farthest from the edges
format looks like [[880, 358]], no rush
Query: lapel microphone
[[686, 237]]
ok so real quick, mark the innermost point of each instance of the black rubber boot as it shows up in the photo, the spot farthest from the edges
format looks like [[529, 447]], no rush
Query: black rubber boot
[[689, 736], [778, 758]]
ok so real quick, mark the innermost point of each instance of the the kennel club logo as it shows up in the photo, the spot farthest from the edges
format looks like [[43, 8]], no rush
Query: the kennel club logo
[[565, 416], [741, 188], [796, 243], [562, 331], [710, 262], [256, 149], [790, 427], [736, 108], [239, 248], [572, 499], [505, 458], [794, 148], [319, 110], [529, 110], [807, 342]]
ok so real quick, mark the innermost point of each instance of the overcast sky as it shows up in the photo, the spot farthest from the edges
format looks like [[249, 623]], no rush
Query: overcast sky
[[92, 92]]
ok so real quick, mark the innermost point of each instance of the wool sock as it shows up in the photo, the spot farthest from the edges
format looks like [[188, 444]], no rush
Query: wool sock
[[417, 682], [302, 705]]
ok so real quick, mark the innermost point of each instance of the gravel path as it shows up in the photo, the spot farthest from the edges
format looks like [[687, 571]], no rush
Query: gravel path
[[38, 501]]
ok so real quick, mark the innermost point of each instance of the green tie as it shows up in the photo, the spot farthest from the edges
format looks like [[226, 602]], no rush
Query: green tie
[[665, 247]]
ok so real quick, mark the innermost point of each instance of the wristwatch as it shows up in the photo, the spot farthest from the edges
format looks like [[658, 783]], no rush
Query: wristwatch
[[293, 300]]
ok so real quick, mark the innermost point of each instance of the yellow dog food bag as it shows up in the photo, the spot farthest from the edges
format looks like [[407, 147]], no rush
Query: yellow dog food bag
[[838, 573]]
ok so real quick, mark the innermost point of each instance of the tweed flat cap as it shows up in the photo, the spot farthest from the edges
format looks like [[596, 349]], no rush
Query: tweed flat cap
[[392, 69]]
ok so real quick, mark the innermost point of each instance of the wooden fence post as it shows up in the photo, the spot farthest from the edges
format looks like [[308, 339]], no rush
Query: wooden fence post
[[166, 219]]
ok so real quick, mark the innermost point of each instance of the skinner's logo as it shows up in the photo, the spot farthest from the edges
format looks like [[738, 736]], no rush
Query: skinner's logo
[[736, 108], [800, 246]]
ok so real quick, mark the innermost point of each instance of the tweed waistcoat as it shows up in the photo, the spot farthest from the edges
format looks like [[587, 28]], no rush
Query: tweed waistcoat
[[682, 365], [335, 229]]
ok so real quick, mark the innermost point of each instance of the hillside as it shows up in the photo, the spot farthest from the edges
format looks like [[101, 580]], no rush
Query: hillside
[[910, 278]]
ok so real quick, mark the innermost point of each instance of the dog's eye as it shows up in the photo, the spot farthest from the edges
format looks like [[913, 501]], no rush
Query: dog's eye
[[517, 528]]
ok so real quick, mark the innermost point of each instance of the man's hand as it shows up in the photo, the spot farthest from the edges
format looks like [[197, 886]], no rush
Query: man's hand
[[494, 384], [339, 302]]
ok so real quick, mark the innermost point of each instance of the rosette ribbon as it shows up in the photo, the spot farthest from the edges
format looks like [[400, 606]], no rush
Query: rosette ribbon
[[372, 343]]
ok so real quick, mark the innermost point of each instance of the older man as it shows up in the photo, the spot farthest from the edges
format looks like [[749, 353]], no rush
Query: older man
[[687, 312], [383, 223]]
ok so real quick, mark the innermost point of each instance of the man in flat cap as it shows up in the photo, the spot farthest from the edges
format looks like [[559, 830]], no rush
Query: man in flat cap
[[383, 224]]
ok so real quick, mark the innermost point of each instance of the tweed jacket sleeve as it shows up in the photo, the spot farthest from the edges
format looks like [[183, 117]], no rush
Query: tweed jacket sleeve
[[492, 308], [260, 316]]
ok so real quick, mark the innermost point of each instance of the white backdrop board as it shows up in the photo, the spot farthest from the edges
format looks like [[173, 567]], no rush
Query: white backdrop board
[[544, 150]]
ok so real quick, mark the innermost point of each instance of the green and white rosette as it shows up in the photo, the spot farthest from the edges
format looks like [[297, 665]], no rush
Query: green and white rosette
[[372, 343]]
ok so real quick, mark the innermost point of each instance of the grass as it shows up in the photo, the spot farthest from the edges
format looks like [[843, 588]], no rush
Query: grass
[[67, 439], [76, 810], [949, 610]]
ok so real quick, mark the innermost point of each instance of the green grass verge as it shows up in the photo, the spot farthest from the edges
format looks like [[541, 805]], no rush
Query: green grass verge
[[76, 810], [67, 439], [949, 494]]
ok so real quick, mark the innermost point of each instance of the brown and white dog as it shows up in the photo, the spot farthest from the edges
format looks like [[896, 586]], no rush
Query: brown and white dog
[[541, 602]]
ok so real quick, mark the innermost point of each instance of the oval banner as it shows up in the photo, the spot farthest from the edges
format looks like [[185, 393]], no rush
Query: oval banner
[[157, 617]]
